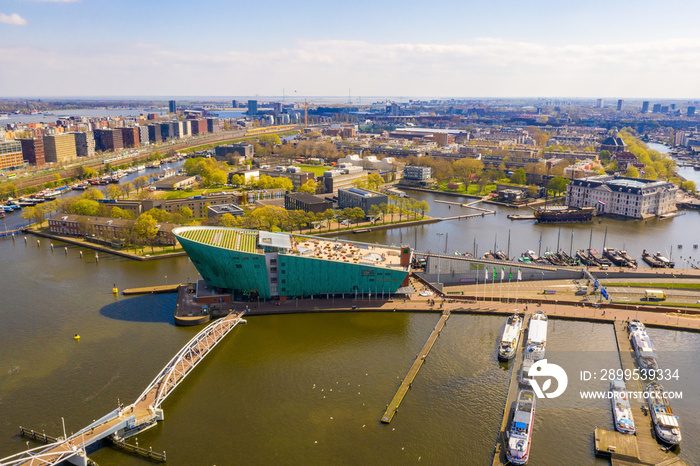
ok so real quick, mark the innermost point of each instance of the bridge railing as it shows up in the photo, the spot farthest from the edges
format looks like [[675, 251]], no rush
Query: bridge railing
[[164, 383]]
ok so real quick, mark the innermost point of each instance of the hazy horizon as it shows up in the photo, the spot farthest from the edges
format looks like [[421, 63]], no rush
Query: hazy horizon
[[646, 49]]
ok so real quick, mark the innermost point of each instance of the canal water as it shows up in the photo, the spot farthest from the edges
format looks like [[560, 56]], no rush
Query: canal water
[[285, 389]]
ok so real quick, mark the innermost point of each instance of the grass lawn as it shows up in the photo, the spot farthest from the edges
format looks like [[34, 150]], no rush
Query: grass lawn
[[473, 189], [317, 170], [181, 194]]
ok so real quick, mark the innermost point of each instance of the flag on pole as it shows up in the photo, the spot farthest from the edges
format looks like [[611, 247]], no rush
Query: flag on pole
[[510, 277], [520, 274], [495, 273], [503, 273], [486, 274]]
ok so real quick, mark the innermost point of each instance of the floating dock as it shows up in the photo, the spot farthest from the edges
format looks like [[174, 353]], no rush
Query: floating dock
[[152, 289], [499, 457], [393, 407], [641, 448]]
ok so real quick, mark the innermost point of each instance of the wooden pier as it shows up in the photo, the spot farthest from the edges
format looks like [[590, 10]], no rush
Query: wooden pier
[[147, 453], [393, 407], [499, 457], [152, 289], [32, 434], [641, 448]]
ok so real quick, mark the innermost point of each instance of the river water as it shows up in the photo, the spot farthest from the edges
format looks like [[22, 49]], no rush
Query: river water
[[308, 388], [285, 389]]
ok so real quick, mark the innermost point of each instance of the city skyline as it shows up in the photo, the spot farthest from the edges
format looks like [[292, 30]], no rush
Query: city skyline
[[628, 50]]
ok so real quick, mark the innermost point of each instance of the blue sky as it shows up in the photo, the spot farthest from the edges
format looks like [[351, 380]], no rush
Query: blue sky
[[441, 48]]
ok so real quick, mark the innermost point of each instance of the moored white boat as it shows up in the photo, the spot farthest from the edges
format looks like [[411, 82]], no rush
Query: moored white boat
[[537, 336], [510, 337], [622, 412], [643, 349], [665, 422], [520, 433]]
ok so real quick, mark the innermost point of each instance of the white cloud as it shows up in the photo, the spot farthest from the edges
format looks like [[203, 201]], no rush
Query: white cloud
[[479, 67], [14, 19]]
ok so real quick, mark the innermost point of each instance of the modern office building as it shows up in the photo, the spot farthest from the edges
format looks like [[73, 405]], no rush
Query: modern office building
[[10, 154], [656, 108], [60, 148], [252, 107], [172, 106], [244, 150], [417, 172], [599, 103], [84, 144], [344, 176], [280, 265], [107, 139], [306, 202], [645, 106], [218, 211], [691, 111], [362, 198], [298, 177], [33, 151], [620, 105], [626, 197]]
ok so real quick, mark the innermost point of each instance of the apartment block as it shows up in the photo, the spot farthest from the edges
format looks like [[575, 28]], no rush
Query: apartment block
[[108, 139], [131, 136], [60, 148], [33, 151], [10, 154], [84, 144]]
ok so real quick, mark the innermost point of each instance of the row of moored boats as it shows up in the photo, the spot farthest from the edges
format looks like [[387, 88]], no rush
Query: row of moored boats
[[520, 432]]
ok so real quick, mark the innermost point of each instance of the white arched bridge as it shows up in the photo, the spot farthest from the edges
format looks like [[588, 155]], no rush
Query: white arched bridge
[[145, 412]]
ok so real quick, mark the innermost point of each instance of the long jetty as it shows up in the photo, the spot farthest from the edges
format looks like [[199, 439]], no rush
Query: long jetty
[[152, 289], [393, 407], [499, 457], [641, 448]]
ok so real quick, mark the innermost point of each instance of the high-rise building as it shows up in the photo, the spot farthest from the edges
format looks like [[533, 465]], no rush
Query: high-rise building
[[33, 151], [131, 136], [60, 148], [252, 107], [172, 106], [656, 108], [599, 103], [645, 106], [154, 134], [234, 104], [143, 135], [84, 144], [213, 125], [199, 126], [167, 130], [691, 111], [10, 154], [108, 139], [620, 104]]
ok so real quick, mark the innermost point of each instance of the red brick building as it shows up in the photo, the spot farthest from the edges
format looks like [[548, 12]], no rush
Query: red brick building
[[33, 151]]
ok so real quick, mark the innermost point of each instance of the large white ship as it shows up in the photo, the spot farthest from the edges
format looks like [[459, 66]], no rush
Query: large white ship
[[622, 412], [537, 336], [511, 337], [665, 422], [643, 349], [520, 434]]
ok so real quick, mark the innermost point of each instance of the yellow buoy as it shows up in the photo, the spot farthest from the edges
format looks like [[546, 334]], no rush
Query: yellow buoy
[[76, 337], [115, 290]]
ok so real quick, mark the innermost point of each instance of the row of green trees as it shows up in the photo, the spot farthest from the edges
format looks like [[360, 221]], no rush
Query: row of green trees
[[276, 218]]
